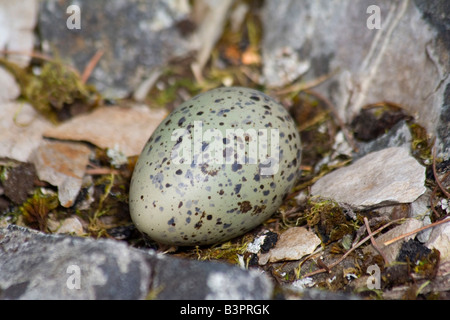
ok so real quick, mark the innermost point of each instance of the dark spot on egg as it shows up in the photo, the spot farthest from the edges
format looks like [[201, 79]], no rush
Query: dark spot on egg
[[244, 206]]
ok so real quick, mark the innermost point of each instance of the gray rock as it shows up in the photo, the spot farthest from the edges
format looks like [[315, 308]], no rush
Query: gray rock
[[35, 265], [38, 266], [405, 61], [398, 136], [136, 37], [380, 178], [183, 279]]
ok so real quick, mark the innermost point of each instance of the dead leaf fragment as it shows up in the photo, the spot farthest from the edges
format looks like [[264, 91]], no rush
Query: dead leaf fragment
[[62, 164], [121, 128]]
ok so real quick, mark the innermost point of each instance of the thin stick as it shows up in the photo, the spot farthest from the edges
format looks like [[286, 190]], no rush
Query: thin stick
[[433, 193], [375, 245], [435, 175], [37, 55], [91, 65], [416, 231], [297, 87], [31, 54], [352, 249]]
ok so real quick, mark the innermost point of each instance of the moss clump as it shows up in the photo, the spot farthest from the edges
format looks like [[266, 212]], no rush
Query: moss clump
[[421, 145], [36, 209], [228, 252], [56, 88], [328, 218]]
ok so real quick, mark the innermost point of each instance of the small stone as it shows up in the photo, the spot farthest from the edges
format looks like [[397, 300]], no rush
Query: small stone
[[19, 182], [293, 244], [70, 225], [440, 240], [384, 177]]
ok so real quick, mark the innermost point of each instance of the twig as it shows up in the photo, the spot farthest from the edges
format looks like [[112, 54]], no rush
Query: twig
[[322, 264], [433, 193], [301, 86], [91, 65], [416, 231], [36, 55], [31, 54], [375, 245], [435, 174], [352, 249]]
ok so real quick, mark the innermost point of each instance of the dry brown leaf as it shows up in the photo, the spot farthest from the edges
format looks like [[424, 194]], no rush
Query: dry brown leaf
[[121, 128]]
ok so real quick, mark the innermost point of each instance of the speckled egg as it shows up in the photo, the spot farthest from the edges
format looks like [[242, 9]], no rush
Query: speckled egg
[[219, 165]]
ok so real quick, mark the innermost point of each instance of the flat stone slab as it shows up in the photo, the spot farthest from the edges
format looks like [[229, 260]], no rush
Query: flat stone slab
[[35, 265], [380, 178]]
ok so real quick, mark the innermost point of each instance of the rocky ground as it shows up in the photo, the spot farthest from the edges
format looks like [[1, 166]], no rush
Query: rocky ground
[[366, 81]]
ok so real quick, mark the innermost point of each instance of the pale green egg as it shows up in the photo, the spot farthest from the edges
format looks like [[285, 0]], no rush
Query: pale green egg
[[218, 166]]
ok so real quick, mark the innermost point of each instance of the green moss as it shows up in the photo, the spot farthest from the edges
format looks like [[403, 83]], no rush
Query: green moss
[[54, 88], [427, 267], [328, 219], [36, 209], [169, 94], [421, 145], [226, 252]]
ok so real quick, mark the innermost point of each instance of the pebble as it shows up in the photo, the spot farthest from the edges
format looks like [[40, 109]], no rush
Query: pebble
[[293, 244]]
